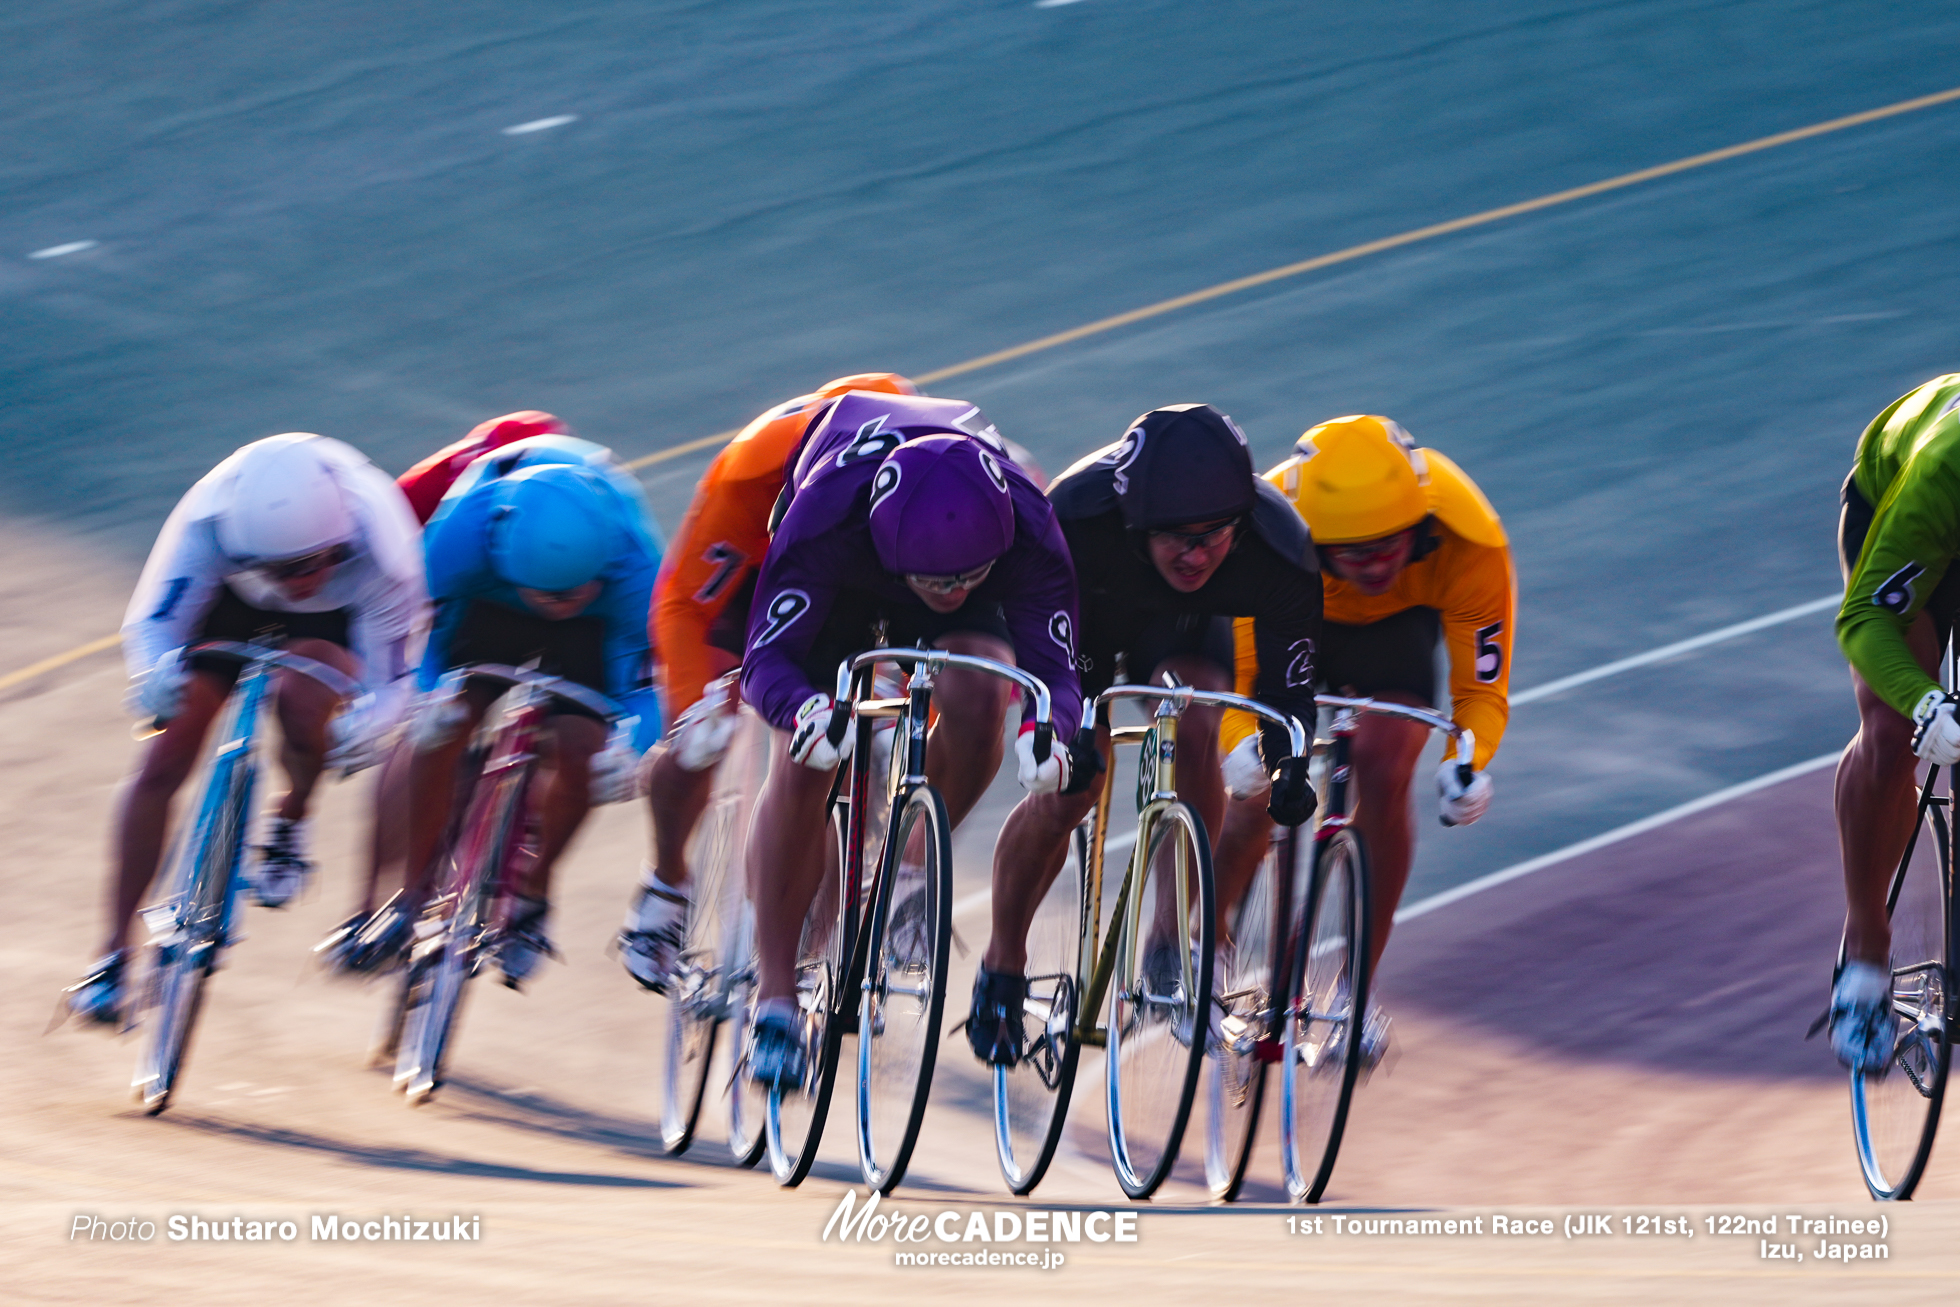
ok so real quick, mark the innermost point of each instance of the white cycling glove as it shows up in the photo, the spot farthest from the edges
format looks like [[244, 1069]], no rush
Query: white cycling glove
[[616, 768], [157, 694], [1245, 771], [809, 744], [354, 735], [1040, 777], [702, 734], [434, 721], [1936, 734], [1462, 803]]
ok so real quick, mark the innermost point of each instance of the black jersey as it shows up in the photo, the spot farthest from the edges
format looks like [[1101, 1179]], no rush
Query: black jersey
[[1271, 576]]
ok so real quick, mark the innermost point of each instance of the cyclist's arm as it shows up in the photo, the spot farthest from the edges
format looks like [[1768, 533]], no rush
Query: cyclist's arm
[[178, 584], [457, 562], [1285, 608], [722, 539], [1479, 611], [1912, 541], [629, 660], [1039, 598], [793, 597]]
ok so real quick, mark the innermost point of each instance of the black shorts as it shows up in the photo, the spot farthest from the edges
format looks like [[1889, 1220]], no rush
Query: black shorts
[[852, 626], [231, 618], [1396, 653], [1171, 635], [729, 632], [1854, 523], [574, 648]]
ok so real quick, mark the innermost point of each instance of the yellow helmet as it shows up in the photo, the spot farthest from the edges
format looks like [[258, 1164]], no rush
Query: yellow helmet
[[1359, 478]]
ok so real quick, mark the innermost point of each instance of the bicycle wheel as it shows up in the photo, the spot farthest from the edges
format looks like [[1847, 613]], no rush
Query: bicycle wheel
[[747, 1108], [793, 1117], [186, 953], [1244, 996], [1159, 997], [1320, 1045], [452, 954], [903, 995], [1895, 1113], [704, 990], [1031, 1097]]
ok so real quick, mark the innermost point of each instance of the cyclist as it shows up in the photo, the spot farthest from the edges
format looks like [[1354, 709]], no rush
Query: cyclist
[[1897, 537], [700, 617], [295, 536], [1411, 554], [428, 481], [543, 550], [1172, 536], [900, 519]]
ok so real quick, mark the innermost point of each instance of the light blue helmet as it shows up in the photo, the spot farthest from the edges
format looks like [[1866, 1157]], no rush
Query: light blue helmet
[[551, 528]]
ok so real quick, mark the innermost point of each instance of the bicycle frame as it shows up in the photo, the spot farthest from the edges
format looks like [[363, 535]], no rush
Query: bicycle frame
[[1159, 743]]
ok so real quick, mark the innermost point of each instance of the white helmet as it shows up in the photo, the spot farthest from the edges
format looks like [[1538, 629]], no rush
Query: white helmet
[[285, 501]]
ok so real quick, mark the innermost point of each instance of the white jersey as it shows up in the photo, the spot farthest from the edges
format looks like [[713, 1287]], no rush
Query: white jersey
[[380, 585]]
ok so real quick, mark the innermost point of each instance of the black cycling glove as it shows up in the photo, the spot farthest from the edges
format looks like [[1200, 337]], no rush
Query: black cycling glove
[[1084, 761], [1292, 802]]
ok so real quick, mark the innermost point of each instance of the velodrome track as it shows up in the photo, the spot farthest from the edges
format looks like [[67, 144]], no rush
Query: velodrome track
[[1658, 387]]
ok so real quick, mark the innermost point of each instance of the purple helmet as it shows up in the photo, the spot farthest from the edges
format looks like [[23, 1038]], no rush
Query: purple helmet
[[940, 506]]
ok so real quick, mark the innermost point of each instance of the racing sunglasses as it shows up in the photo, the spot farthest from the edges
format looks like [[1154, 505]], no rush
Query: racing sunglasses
[[306, 564], [945, 585], [1192, 541]]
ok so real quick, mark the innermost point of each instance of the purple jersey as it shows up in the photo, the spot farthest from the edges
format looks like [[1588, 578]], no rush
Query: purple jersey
[[823, 548]]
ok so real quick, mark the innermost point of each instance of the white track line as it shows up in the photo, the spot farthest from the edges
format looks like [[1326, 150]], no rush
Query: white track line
[[1613, 836], [1678, 647]]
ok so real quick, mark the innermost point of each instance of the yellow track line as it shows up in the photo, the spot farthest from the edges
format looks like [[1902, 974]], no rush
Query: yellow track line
[[59, 660], [1233, 287]]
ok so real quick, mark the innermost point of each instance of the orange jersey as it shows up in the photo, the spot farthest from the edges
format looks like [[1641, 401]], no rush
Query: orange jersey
[[725, 533], [1467, 579]]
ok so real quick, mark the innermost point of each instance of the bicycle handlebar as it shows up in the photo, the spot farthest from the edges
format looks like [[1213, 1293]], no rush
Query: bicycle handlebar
[[1185, 695], [936, 661], [1466, 741], [555, 686], [333, 679]]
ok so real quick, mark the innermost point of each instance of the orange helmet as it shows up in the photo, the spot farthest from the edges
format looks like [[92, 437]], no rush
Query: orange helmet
[[887, 383]]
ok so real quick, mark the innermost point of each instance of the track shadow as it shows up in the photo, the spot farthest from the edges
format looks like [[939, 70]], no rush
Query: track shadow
[[408, 1159], [1703, 947]]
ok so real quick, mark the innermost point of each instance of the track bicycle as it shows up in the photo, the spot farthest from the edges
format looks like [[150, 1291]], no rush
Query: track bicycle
[[192, 924], [873, 956], [1315, 1037], [714, 974], [463, 923], [1895, 1111], [1155, 967]]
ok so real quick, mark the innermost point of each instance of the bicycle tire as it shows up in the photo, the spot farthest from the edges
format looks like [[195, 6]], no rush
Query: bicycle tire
[[793, 1122], [1895, 1114], [1158, 1025], [902, 998], [1247, 998], [1031, 1098], [713, 972], [1327, 1005], [185, 960], [458, 949]]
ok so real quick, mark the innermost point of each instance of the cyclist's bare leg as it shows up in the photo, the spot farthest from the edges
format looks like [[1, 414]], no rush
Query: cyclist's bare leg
[[963, 752], [1241, 847], [786, 864], [676, 798], [1386, 750], [567, 793], [145, 811], [388, 839], [1876, 800], [1032, 847], [305, 708]]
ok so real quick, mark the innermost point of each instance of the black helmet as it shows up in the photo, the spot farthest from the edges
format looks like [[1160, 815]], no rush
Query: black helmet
[[1183, 463]]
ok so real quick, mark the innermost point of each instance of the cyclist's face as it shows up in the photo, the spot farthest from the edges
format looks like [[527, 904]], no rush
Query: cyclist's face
[[302, 578], [1187, 556], [557, 605], [941, 601], [1371, 566]]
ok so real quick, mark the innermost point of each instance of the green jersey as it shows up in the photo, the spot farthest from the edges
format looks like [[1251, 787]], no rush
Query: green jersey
[[1908, 469]]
